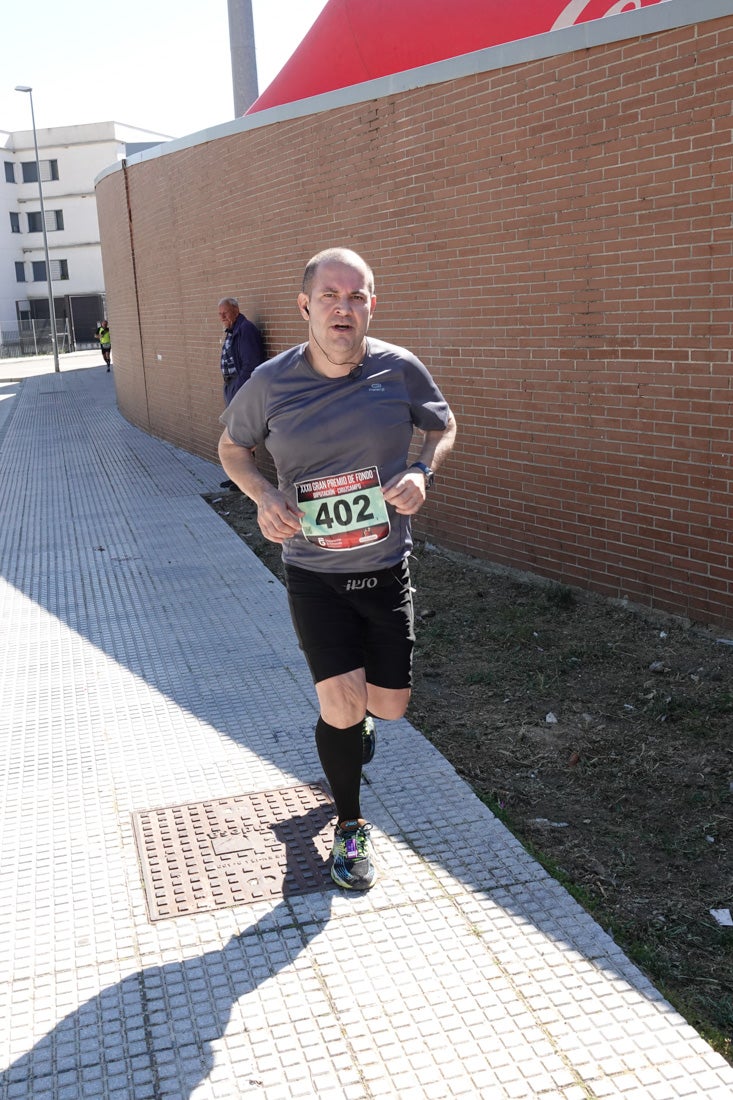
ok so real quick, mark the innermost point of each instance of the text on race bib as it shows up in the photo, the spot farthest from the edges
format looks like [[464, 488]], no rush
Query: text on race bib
[[343, 511]]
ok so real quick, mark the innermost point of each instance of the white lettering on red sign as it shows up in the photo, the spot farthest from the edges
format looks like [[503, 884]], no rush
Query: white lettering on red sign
[[575, 9]]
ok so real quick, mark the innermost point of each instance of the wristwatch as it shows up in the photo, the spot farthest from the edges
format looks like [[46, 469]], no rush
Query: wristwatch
[[426, 472]]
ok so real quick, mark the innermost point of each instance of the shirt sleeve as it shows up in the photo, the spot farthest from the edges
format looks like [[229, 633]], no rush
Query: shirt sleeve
[[428, 408], [245, 418]]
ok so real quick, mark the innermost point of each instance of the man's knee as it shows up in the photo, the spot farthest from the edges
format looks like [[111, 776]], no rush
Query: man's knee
[[389, 704], [343, 699]]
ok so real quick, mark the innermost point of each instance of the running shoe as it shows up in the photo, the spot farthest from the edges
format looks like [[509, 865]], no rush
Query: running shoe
[[368, 740], [353, 858]]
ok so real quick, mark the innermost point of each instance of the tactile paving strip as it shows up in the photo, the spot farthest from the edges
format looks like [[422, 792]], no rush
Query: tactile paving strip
[[234, 851]]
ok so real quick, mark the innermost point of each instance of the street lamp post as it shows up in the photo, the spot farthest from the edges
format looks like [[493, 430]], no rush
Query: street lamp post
[[51, 306]]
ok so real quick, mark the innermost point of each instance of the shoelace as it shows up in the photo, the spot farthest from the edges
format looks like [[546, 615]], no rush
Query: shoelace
[[355, 842]]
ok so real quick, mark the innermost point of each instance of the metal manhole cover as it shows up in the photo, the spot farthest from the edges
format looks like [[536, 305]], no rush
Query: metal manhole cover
[[234, 851]]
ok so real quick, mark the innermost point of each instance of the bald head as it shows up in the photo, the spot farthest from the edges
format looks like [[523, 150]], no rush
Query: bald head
[[340, 256]]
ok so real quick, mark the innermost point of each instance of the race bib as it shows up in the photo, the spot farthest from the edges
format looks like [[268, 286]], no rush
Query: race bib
[[345, 511]]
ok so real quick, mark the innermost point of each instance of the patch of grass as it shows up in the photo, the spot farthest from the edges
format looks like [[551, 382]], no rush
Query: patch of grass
[[480, 676], [559, 595], [721, 703]]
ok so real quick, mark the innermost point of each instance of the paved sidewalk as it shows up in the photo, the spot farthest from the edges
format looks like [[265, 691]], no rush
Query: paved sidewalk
[[148, 663], [29, 366]]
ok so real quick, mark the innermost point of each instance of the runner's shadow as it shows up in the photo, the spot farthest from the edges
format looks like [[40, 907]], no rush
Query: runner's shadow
[[152, 1035]]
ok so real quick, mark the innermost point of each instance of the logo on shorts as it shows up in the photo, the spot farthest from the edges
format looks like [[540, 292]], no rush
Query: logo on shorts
[[356, 584]]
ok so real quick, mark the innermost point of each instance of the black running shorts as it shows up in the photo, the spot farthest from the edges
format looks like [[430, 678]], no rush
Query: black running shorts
[[346, 621]]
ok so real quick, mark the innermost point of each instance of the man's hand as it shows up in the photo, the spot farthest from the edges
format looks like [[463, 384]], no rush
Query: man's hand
[[277, 518], [406, 492]]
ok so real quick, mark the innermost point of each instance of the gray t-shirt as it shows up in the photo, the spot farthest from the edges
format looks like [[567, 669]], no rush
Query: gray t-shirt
[[317, 429]]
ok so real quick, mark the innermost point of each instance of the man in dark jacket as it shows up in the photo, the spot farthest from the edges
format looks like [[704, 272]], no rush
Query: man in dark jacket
[[241, 351]]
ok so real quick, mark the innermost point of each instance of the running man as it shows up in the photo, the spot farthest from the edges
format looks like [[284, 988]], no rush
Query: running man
[[337, 415], [105, 341]]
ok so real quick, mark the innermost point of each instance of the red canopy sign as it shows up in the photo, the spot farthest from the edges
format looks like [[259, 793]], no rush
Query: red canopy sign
[[357, 40]]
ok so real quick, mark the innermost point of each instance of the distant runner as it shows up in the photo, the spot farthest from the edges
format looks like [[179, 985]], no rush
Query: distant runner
[[105, 342]]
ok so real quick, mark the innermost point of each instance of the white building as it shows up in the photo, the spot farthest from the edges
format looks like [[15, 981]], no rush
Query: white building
[[71, 157]]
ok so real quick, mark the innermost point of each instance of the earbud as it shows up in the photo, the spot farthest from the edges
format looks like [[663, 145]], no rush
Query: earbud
[[307, 310]]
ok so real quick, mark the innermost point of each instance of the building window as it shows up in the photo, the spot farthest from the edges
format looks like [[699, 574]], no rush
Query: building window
[[59, 270], [20, 271], [49, 171], [14, 222], [54, 221], [9, 171]]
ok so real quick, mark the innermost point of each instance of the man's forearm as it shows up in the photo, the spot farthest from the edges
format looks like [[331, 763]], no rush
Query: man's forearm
[[438, 445], [278, 519], [240, 466]]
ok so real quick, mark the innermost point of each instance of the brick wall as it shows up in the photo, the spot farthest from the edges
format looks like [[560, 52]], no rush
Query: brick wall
[[553, 239]]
